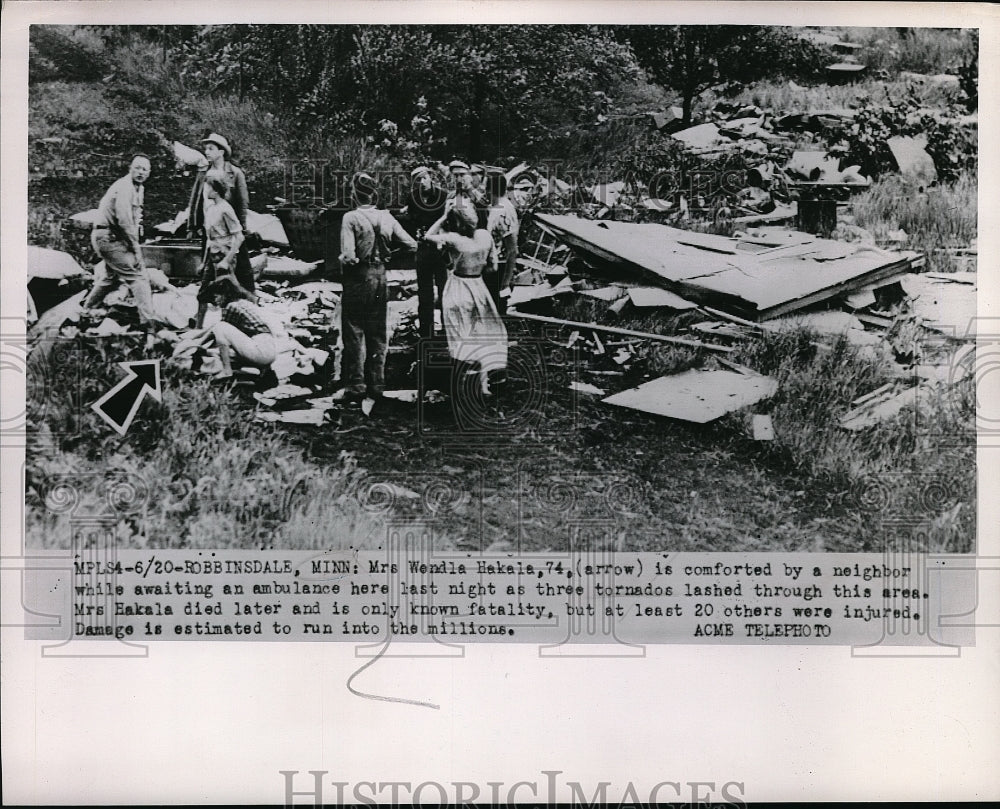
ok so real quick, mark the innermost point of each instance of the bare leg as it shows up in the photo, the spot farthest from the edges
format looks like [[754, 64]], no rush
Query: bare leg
[[225, 355]]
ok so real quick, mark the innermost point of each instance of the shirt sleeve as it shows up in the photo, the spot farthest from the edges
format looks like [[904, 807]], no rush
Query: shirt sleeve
[[123, 212], [241, 197], [512, 222], [232, 222], [347, 244]]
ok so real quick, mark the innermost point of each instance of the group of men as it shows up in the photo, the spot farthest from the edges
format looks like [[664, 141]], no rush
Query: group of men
[[367, 238], [217, 212]]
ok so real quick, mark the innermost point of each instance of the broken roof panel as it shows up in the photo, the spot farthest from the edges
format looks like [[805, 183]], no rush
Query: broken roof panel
[[720, 273], [697, 396]]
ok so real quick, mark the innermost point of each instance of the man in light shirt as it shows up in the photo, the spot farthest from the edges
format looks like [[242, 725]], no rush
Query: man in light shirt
[[503, 226], [115, 238], [366, 237]]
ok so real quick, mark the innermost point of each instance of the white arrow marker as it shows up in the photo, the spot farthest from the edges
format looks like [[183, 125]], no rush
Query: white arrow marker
[[120, 404]]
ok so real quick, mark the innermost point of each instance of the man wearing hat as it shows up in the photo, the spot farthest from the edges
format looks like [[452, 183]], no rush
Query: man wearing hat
[[366, 237], [523, 192], [218, 152], [461, 194], [425, 205], [477, 174]]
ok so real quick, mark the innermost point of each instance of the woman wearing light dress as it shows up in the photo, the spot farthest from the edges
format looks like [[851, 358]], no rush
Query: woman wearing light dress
[[476, 334]]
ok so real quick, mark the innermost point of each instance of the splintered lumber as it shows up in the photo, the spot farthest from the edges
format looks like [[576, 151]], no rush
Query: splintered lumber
[[941, 305], [697, 396], [883, 406], [733, 318], [656, 298], [575, 324], [715, 271]]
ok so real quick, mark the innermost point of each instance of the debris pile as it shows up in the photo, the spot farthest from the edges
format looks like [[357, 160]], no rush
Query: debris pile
[[718, 292]]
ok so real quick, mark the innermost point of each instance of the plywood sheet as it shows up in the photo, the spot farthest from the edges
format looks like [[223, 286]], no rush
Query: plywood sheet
[[654, 297], [697, 396]]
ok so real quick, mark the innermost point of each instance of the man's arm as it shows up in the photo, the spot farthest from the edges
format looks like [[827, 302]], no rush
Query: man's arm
[[241, 197], [234, 248], [348, 247], [510, 251], [491, 259], [126, 220]]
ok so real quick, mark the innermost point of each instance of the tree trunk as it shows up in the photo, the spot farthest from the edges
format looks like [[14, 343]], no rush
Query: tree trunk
[[475, 120], [241, 67], [688, 103]]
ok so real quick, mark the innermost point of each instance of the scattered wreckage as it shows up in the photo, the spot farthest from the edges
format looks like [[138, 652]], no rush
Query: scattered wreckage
[[714, 291]]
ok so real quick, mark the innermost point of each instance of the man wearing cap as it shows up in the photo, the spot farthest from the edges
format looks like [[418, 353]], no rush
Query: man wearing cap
[[424, 207], [116, 239], [523, 193], [218, 152], [461, 195], [477, 174], [503, 226], [366, 236]]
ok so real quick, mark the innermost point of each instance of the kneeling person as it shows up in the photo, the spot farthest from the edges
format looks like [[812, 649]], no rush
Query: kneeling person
[[243, 334]]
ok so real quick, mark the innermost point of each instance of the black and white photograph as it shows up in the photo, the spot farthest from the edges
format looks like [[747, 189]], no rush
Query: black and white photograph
[[727, 300]]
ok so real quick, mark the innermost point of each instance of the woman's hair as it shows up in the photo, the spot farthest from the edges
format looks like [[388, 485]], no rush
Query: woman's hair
[[217, 182], [460, 221]]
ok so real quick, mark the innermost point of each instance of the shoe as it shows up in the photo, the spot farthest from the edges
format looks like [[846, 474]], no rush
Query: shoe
[[348, 395]]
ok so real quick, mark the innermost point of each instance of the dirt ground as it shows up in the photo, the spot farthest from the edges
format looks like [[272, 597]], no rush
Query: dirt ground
[[540, 463]]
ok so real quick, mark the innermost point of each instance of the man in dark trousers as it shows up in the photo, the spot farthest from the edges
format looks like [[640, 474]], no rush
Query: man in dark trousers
[[366, 237], [503, 226], [424, 207]]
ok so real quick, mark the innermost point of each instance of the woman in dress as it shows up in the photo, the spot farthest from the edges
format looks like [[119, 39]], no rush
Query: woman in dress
[[475, 332]]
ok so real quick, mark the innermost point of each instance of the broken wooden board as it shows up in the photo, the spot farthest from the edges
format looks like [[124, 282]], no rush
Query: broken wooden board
[[882, 407], [753, 285], [288, 267], [523, 294], [655, 298], [663, 338], [696, 396], [312, 417], [763, 428], [942, 305], [609, 293]]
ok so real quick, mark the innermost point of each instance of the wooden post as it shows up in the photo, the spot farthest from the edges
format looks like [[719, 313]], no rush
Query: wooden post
[[817, 216]]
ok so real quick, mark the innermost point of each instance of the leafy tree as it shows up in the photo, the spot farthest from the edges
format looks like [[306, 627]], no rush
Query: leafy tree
[[690, 59], [485, 89]]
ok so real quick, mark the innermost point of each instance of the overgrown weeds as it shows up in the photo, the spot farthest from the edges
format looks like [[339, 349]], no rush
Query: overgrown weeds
[[921, 462], [199, 470], [936, 219]]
